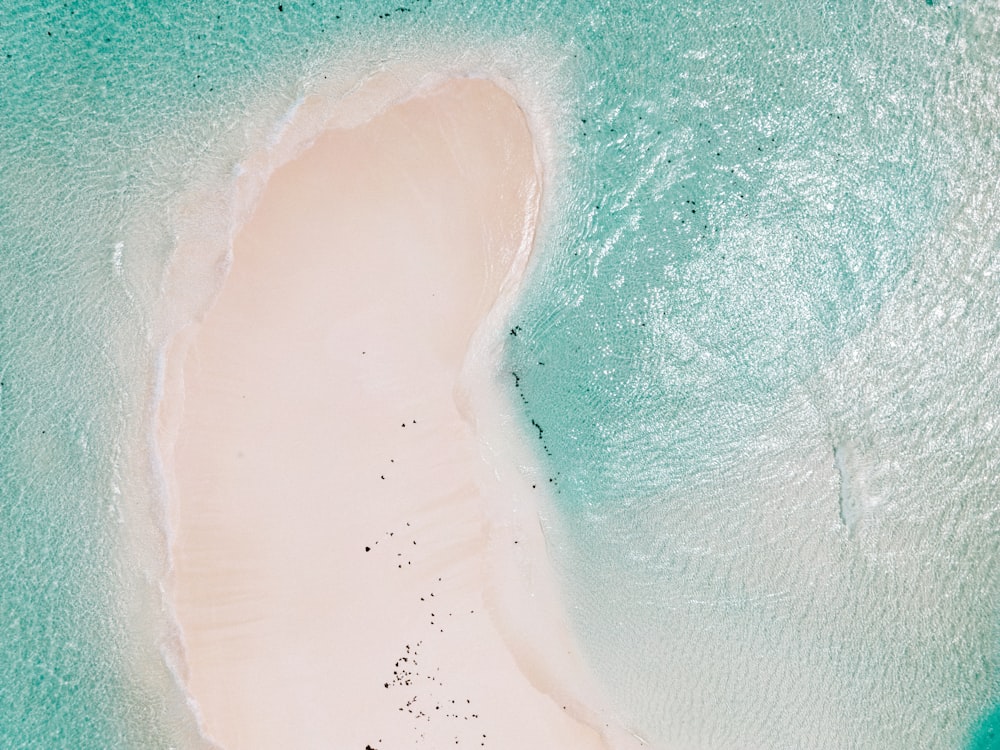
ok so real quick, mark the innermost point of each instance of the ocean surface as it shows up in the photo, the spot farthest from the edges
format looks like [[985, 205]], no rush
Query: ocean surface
[[758, 351]]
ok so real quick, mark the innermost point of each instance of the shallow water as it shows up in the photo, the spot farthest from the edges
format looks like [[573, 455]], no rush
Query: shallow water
[[758, 344]]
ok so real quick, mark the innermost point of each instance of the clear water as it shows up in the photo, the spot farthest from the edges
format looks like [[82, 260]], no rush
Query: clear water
[[760, 339]]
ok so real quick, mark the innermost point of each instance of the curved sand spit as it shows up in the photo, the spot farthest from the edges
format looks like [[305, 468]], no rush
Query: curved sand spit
[[329, 534]]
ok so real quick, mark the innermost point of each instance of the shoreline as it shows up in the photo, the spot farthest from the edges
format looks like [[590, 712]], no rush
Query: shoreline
[[217, 597]]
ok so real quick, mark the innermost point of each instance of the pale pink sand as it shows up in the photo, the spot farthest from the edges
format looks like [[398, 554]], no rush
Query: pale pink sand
[[316, 415]]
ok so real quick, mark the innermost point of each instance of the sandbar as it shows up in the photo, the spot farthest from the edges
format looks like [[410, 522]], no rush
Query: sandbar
[[327, 530]]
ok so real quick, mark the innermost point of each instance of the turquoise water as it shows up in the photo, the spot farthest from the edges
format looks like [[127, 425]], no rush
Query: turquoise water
[[987, 734], [760, 338]]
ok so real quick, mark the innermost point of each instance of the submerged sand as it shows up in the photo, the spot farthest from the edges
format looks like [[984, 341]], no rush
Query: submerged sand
[[329, 533]]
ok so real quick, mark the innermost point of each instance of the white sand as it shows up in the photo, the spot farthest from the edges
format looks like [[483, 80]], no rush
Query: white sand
[[313, 414]]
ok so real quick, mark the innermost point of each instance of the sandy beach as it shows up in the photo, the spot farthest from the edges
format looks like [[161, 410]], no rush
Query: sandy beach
[[329, 533]]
